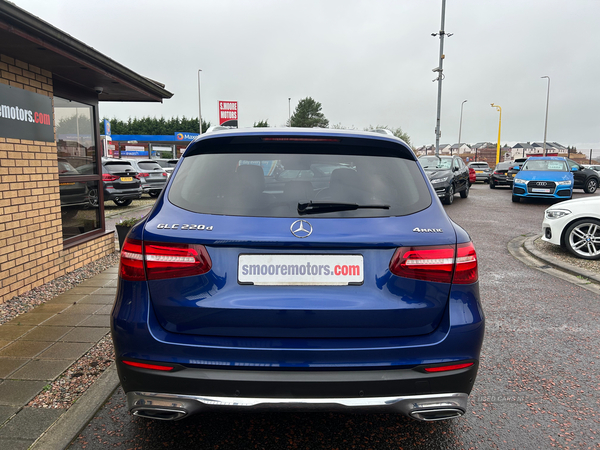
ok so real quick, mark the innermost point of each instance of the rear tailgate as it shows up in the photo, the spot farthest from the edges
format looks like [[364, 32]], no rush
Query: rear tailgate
[[242, 295]]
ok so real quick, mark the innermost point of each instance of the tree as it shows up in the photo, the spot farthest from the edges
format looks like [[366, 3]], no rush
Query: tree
[[261, 124], [395, 131], [154, 126], [308, 115]]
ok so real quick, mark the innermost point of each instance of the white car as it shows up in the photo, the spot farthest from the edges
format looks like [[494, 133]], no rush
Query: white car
[[595, 167], [574, 225]]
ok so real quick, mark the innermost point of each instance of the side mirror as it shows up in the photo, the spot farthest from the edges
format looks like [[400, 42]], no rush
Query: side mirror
[[575, 168], [517, 167]]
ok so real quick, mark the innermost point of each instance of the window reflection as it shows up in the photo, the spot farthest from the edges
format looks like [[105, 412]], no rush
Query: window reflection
[[75, 138], [79, 207]]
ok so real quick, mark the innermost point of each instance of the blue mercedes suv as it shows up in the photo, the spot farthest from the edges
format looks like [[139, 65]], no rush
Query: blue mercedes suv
[[241, 290], [543, 177]]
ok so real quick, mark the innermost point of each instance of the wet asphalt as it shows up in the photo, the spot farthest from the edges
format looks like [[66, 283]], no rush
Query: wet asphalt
[[538, 384]]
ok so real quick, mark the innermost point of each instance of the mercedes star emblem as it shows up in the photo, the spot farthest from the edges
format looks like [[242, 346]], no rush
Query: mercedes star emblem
[[301, 229]]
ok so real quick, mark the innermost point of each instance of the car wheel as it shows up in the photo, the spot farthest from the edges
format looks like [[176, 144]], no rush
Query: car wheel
[[154, 194], [93, 198], [591, 186], [516, 199], [465, 193], [122, 202], [449, 198], [582, 238], [492, 185]]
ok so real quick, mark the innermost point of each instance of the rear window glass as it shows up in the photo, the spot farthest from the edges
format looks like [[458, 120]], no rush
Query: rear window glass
[[504, 166], [435, 162], [149, 165], [272, 185], [479, 165], [118, 166]]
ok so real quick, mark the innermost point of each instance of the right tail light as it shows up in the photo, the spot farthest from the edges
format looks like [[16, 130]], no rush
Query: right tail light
[[440, 263]]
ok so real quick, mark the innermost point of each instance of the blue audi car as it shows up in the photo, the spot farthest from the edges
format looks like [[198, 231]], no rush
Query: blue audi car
[[244, 289], [543, 177]]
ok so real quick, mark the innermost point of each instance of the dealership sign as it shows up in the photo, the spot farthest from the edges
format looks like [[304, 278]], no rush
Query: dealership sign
[[25, 115], [228, 114]]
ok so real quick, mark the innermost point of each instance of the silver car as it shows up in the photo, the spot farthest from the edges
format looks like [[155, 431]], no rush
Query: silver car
[[151, 174]]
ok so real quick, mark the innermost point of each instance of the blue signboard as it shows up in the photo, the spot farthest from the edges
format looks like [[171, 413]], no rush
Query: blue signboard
[[186, 136]]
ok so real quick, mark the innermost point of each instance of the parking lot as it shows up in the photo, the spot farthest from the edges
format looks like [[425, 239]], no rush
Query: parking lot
[[537, 385]]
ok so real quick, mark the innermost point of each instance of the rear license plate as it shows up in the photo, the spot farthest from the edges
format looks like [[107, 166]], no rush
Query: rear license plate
[[126, 178], [479, 171], [540, 190], [66, 184], [300, 270]]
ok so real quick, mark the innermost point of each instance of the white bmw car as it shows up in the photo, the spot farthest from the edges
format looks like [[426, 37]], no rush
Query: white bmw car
[[574, 225]]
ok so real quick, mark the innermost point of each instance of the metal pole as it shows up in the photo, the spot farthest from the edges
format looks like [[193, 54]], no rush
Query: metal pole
[[498, 108], [460, 126], [440, 72], [546, 123], [289, 112], [199, 104]]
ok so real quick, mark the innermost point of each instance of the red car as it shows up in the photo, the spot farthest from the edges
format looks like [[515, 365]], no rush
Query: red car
[[472, 176]]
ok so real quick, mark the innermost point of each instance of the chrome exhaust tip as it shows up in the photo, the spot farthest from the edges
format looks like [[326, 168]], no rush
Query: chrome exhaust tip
[[431, 415], [160, 413]]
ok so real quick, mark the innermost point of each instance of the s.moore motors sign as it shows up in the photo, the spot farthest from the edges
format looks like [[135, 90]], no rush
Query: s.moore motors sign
[[228, 114], [25, 115]]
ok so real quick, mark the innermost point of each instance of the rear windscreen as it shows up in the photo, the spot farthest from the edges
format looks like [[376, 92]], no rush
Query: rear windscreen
[[272, 185], [149, 165]]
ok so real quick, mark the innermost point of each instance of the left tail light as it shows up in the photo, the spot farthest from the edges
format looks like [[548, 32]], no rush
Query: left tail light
[[142, 175], [440, 263], [141, 261]]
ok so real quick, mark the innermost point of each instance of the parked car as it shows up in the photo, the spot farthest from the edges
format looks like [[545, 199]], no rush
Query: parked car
[[516, 166], [167, 164], [152, 175], [448, 175], [73, 194], [120, 181], [500, 176], [472, 176], [543, 177], [586, 179], [359, 295], [574, 225], [595, 167], [482, 170]]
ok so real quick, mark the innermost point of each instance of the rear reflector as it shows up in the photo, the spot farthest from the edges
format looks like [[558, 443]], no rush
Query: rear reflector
[[438, 263], [148, 366], [157, 260], [448, 368], [292, 139]]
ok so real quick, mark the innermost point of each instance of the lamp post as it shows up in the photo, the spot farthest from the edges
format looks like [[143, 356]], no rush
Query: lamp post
[[546, 123], [199, 104], [460, 125], [289, 111], [440, 69], [498, 108]]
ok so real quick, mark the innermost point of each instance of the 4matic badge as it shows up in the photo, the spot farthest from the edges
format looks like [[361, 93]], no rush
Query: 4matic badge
[[185, 226], [427, 230]]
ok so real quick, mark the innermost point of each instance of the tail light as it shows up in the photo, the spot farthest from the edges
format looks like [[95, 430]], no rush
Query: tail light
[[449, 367], [142, 175], [109, 177], [440, 263], [164, 174], [141, 261]]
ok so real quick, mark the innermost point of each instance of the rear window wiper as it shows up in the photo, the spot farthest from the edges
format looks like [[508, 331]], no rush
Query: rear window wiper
[[325, 207]]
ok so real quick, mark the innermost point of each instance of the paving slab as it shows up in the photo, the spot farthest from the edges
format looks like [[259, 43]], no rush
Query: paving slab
[[51, 308], [105, 309], [16, 444], [66, 350], [64, 298], [98, 281], [6, 412], [86, 334], [31, 318], [97, 320], [85, 308], [66, 319], [99, 299], [4, 343], [29, 423], [12, 332], [46, 333], [9, 365], [19, 392], [42, 369], [26, 349], [82, 290]]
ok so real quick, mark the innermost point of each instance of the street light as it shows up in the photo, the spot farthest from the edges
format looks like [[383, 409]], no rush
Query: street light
[[199, 103], [289, 111], [460, 126], [546, 124], [498, 108]]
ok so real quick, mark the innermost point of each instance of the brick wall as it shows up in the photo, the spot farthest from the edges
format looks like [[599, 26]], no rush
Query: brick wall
[[31, 243]]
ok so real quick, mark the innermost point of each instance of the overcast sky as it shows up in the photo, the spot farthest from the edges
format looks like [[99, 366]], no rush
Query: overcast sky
[[367, 62]]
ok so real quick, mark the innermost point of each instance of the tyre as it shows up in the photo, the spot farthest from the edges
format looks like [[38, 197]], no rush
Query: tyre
[[516, 199], [591, 186], [93, 198], [449, 198], [492, 185], [582, 238], [465, 192], [154, 194], [122, 202]]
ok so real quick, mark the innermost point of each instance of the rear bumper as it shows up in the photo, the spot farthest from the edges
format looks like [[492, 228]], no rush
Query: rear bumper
[[122, 194], [175, 407]]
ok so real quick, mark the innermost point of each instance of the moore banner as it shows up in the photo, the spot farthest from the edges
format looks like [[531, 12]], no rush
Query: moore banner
[[228, 114], [25, 115]]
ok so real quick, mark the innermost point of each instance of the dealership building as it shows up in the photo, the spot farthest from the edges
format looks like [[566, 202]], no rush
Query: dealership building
[[51, 201]]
